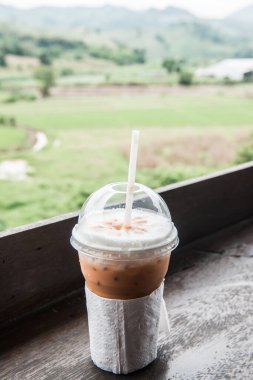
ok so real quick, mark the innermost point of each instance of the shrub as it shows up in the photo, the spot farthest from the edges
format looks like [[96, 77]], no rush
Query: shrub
[[46, 77], [66, 71], [45, 59], [172, 65], [2, 60], [121, 56], [12, 121], [7, 121], [162, 176], [18, 96], [228, 81], [185, 78], [245, 153]]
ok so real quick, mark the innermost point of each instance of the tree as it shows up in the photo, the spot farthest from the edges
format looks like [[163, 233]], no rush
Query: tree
[[185, 78], [45, 59], [172, 65], [139, 55], [2, 60], [46, 76]]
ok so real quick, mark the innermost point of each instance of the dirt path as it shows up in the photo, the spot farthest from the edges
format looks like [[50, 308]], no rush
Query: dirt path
[[41, 141], [18, 170]]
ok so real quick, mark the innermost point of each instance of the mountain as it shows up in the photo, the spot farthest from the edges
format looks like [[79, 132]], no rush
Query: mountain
[[171, 32], [104, 18], [242, 21]]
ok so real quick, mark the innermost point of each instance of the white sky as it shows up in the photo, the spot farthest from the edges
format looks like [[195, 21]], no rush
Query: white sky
[[202, 8]]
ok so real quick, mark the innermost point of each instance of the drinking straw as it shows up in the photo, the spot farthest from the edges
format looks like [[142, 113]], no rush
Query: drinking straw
[[131, 176]]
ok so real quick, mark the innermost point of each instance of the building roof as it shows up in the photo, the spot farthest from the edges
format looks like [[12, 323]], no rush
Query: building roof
[[228, 68]]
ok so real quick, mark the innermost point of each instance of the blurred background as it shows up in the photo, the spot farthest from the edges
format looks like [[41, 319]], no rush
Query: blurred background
[[77, 77]]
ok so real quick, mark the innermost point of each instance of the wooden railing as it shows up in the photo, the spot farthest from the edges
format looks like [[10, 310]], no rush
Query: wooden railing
[[38, 266]]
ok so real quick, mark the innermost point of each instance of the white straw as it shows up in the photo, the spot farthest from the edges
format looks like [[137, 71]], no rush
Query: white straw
[[131, 176]]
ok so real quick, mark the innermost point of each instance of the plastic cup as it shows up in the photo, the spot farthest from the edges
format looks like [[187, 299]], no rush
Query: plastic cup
[[118, 261], [124, 267]]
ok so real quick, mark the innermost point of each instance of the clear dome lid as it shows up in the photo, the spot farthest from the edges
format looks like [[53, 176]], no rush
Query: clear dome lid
[[101, 223]]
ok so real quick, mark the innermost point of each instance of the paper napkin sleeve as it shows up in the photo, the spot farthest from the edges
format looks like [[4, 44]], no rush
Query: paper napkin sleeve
[[124, 333]]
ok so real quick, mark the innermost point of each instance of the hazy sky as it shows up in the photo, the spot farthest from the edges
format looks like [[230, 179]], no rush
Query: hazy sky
[[203, 8]]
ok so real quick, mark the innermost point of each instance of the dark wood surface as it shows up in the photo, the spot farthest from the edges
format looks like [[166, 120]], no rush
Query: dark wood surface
[[202, 206], [38, 265], [208, 294]]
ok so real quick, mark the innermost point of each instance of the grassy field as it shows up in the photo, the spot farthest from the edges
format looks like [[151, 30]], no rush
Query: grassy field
[[184, 133], [83, 112], [11, 138], [90, 71], [87, 72]]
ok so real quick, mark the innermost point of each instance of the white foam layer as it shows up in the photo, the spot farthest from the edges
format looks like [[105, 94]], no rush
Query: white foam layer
[[105, 230]]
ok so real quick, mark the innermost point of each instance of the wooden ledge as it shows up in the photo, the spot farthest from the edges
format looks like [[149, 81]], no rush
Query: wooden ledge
[[208, 295], [38, 266]]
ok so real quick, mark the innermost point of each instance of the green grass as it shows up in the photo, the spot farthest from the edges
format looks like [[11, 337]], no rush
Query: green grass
[[133, 111], [10, 138], [89, 140], [89, 72]]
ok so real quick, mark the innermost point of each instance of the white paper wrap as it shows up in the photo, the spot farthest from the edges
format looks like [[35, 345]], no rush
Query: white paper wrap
[[124, 333]]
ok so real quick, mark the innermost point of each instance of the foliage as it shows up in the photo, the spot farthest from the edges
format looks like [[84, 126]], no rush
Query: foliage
[[7, 120], [46, 77], [245, 153], [66, 71], [87, 156], [185, 78], [162, 175], [45, 47], [45, 59], [156, 32], [172, 65], [228, 81], [248, 77], [121, 56], [17, 96], [2, 59], [10, 140]]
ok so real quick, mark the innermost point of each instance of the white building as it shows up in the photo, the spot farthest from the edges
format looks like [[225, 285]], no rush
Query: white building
[[234, 69]]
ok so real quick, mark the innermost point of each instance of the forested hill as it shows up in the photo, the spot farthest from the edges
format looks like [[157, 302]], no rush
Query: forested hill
[[106, 18], [116, 32]]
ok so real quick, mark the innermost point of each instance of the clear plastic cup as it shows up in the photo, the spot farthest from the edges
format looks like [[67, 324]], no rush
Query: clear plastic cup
[[118, 261]]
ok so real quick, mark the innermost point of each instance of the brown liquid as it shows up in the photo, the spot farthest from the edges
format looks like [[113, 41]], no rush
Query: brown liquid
[[124, 280]]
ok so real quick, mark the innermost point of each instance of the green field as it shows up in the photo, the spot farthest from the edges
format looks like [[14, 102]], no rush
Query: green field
[[132, 111], [184, 133], [11, 138]]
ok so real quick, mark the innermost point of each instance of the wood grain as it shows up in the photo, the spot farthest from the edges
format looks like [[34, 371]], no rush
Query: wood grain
[[37, 266], [209, 300], [202, 206]]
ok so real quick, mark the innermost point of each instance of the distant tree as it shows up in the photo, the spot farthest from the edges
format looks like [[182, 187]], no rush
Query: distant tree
[[121, 56], [139, 56], [244, 53], [46, 76], [185, 78], [2, 60], [45, 59], [228, 81], [66, 71], [172, 65]]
